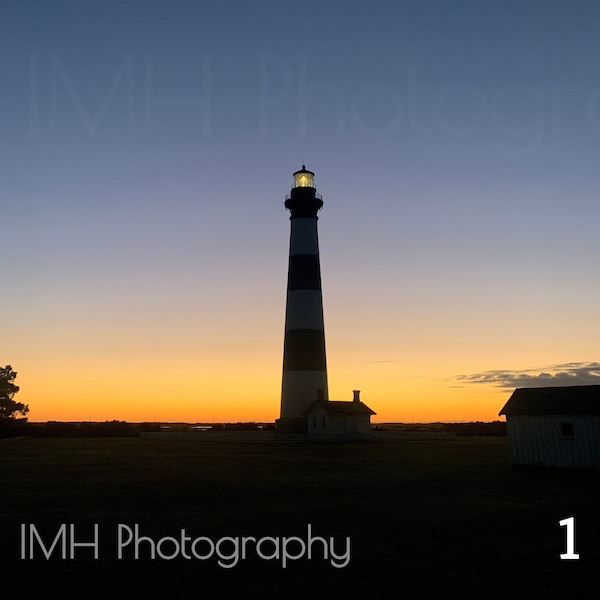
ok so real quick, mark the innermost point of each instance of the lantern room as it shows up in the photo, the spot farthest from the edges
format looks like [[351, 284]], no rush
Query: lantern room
[[304, 178]]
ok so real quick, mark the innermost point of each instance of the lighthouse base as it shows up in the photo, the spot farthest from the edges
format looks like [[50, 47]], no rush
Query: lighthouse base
[[292, 425]]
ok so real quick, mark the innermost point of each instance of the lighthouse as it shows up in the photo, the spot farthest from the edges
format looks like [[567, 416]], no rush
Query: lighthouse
[[304, 365]]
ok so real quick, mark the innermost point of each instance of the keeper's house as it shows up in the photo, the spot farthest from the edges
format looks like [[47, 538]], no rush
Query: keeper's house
[[339, 419], [554, 426]]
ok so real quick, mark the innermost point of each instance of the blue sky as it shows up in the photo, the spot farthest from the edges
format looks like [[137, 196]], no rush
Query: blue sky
[[148, 147]]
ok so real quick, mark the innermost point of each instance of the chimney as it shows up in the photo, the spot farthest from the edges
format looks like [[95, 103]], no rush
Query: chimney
[[356, 396], [320, 394]]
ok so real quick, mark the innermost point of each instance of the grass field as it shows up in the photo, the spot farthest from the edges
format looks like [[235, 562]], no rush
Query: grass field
[[426, 519]]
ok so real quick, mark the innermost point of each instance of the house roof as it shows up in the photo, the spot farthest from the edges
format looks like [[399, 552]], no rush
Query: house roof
[[337, 407], [569, 400]]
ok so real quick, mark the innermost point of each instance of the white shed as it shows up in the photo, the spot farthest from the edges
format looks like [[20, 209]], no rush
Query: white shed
[[341, 419], [554, 426]]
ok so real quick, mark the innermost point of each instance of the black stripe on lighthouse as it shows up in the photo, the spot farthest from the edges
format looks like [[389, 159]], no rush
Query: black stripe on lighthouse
[[304, 272], [304, 350]]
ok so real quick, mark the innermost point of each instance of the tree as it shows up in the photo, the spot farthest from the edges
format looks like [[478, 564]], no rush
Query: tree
[[9, 409]]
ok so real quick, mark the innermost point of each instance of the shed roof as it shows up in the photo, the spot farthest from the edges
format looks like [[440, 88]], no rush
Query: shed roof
[[339, 407], [568, 400]]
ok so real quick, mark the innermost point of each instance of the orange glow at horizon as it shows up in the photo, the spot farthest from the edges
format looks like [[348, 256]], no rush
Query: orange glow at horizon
[[222, 391]]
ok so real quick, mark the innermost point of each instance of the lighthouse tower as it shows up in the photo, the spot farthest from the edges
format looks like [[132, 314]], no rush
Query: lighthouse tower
[[304, 365]]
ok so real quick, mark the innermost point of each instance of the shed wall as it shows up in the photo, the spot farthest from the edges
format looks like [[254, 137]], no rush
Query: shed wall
[[537, 440]]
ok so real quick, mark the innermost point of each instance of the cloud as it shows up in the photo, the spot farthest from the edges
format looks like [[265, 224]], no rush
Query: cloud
[[575, 373]]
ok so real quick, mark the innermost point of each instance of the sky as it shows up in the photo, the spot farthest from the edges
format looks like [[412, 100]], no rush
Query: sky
[[147, 149]]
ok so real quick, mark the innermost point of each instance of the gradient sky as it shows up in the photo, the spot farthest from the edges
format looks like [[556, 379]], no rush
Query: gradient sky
[[146, 151]]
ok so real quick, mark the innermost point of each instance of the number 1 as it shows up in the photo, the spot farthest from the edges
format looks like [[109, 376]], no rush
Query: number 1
[[570, 525]]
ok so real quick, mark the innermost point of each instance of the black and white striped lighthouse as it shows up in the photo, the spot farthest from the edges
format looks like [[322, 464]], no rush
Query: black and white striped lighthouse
[[304, 365]]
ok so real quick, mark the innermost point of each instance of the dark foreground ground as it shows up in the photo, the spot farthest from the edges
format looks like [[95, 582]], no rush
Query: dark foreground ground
[[426, 519]]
